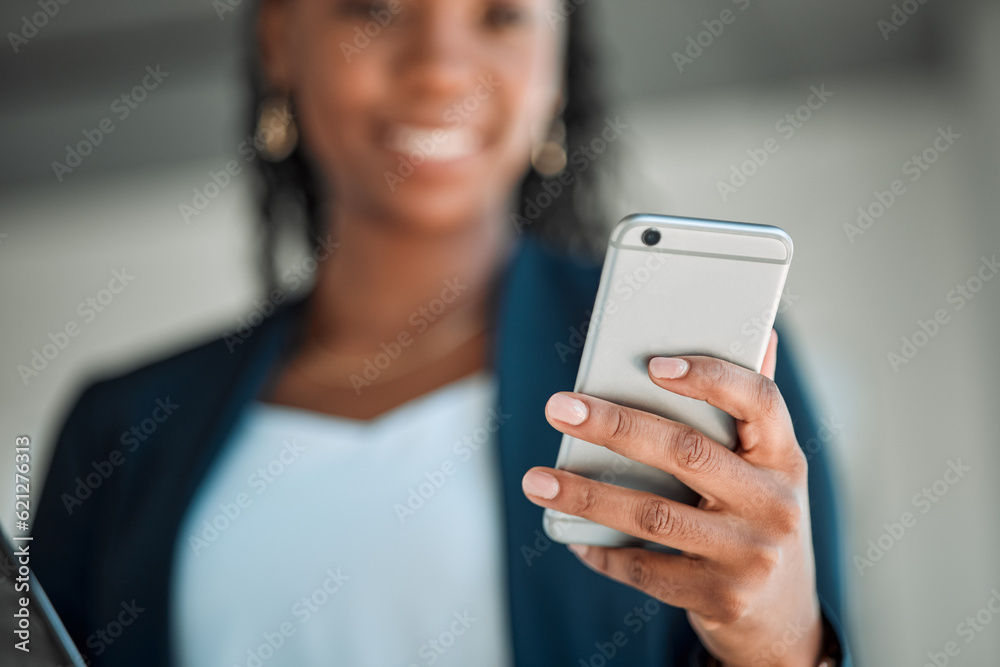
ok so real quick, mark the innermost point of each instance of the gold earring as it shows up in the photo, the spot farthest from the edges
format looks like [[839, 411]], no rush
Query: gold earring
[[549, 157], [277, 133]]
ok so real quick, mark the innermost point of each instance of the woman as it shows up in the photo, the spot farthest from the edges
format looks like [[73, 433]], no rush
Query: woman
[[360, 478]]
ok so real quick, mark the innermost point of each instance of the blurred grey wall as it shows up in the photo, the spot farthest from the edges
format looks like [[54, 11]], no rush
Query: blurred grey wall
[[854, 293], [64, 79]]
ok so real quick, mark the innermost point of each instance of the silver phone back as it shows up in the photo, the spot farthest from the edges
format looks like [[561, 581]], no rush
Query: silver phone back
[[706, 288]]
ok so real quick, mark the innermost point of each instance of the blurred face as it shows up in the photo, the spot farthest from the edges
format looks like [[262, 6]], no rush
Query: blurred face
[[420, 113]]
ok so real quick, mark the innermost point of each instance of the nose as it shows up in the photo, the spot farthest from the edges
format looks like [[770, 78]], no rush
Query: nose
[[438, 61]]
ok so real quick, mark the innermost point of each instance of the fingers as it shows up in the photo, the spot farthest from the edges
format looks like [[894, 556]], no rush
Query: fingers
[[771, 357], [747, 396], [637, 513], [699, 462], [677, 580]]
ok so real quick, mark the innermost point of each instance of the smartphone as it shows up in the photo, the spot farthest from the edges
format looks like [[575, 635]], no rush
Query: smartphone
[[670, 286]]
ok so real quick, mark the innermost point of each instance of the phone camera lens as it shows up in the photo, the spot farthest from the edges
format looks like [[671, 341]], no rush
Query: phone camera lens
[[651, 237]]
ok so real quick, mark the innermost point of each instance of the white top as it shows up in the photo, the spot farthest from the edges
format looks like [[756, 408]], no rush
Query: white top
[[318, 540]]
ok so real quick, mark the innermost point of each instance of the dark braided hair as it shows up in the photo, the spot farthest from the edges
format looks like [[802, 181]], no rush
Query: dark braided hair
[[291, 195]]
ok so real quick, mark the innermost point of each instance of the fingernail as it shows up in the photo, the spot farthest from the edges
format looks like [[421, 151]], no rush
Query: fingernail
[[541, 484], [566, 409], [668, 368], [579, 549]]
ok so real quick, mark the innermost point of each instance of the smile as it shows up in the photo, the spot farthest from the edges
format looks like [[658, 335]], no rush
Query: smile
[[436, 144]]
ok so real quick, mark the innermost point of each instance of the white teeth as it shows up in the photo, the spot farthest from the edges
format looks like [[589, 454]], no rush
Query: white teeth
[[433, 144]]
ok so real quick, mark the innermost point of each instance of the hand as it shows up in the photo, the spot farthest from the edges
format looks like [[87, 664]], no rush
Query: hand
[[746, 572]]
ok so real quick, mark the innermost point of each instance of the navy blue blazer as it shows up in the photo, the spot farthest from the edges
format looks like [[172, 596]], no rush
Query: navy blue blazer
[[105, 558]]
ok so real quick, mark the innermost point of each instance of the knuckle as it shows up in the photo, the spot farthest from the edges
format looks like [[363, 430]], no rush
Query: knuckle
[[764, 559], [732, 606], [798, 464], [620, 425], [768, 398], [715, 372], [658, 519], [787, 515], [639, 572], [667, 589], [584, 500], [693, 452], [599, 559]]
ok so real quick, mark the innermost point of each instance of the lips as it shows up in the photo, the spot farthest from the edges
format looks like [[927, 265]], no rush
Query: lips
[[434, 144]]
